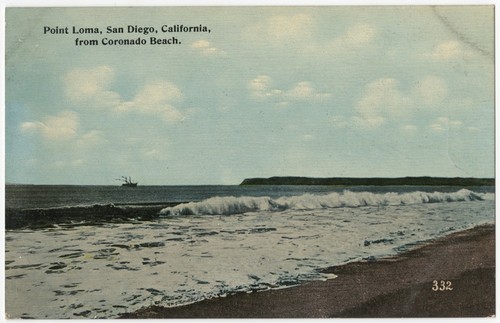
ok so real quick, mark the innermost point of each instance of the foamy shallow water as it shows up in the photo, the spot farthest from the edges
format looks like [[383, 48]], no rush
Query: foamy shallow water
[[100, 272]]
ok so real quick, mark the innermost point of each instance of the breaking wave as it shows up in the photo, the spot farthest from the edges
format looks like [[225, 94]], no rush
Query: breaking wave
[[98, 214], [239, 205], [82, 214]]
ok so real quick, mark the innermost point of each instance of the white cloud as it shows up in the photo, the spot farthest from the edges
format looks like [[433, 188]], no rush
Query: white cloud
[[91, 86], [263, 87], [450, 50], [155, 93], [91, 139], [206, 48], [455, 123], [369, 122], [61, 127], [381, 99], [354, 37], [283, 28], [93, 135], [342, 122], [385, 101], [437, 127], [156, 98], [409, 128], [64, 127], [359, 34], [297, 32], [443, 124], [431, 90], [305, 90]]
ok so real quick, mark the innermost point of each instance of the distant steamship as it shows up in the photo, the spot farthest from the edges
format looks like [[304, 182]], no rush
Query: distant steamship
[[127, 181]]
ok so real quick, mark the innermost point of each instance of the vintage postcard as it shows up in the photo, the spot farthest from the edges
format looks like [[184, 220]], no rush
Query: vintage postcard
[[249, 162]]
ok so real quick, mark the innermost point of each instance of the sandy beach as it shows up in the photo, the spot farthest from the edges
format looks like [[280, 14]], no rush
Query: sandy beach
[[463, 264]]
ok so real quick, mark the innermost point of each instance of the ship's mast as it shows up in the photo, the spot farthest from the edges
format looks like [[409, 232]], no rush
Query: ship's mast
[[126, 180]]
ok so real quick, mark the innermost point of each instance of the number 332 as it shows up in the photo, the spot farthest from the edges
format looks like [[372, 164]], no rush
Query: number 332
[[441, 285]]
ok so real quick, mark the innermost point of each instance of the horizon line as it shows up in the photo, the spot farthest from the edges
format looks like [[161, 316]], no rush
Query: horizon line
[[247, 178]]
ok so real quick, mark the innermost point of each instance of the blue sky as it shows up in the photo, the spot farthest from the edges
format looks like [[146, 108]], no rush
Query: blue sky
[[270, 91]]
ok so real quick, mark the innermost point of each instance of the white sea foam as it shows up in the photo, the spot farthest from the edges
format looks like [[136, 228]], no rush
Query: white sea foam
[[239, 205], [105, 270]]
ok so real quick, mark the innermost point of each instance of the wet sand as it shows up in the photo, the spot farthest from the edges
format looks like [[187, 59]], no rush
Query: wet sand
[[394, 287]]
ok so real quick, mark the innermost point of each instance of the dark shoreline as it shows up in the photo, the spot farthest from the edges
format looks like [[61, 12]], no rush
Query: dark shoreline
[[371, 181], [392, 287]]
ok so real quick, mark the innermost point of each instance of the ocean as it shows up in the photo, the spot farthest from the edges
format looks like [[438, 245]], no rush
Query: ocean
[[100, 251]]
